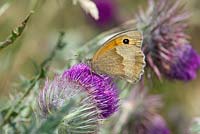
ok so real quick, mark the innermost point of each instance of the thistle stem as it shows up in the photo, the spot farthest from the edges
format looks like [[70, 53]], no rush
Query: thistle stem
[[43, 67]]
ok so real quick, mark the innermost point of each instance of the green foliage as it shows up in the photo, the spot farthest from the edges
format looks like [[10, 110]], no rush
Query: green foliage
[[195, 128], [49, 125], [10, 113], [20, 114], [82, 120]]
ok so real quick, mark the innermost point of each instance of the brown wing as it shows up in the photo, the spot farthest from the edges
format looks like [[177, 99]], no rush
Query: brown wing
[[121, 60], [109, 63], [135, 38], [133, 61]]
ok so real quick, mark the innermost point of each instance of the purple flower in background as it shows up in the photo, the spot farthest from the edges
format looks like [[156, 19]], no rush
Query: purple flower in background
[[79, 79], [139, 114], [185, 63], [107, 13], [158, 126], [166, 46]]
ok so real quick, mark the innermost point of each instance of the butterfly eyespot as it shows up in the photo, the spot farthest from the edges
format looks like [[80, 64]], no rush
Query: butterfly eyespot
[[126, 41]]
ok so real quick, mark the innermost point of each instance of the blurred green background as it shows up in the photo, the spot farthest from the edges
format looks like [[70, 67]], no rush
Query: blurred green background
[[53, 16]]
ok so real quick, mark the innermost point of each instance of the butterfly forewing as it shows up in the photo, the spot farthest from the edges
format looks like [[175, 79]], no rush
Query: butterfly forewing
[[121, 56]]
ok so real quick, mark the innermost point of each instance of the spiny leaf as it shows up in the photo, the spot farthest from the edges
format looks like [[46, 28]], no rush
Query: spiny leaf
[[50, 124], [83, 120], [15, 33]]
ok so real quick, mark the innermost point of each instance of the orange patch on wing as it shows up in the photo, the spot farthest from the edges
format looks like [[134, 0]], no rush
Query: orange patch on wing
[[109, 45]]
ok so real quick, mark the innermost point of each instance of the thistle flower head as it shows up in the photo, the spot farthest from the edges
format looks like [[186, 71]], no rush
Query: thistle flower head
[[78, 80], [164, 25], [139, 114], [158, 126], [101, 87], [184, 65], [95, 97], [145, 119], [83, 116]]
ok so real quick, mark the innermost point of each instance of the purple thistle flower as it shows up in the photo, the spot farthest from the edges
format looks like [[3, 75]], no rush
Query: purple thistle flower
[[165, 40], [185, 64], [83, 115], [99, 90], [158, 126], [139, 114], [107, 13], [101, 87]]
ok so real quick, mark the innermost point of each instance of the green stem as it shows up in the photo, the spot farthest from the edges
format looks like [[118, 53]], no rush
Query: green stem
[[16, 33], [44, 65]]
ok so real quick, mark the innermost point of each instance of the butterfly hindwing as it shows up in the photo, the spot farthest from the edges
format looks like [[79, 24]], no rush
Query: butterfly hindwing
[[109, 63], [133, 61]]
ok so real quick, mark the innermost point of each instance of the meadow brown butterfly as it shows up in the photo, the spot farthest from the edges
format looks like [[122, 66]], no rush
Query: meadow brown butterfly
[[121, 56]]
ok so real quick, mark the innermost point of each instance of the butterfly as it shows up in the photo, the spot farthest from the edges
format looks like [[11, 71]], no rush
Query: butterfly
[[121, 56]]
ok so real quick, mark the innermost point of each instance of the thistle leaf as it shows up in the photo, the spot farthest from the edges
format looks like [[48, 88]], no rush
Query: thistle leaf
[[50, 124]]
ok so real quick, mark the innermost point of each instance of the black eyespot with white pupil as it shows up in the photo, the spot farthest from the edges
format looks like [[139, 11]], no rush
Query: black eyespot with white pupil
[[126, 41]]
